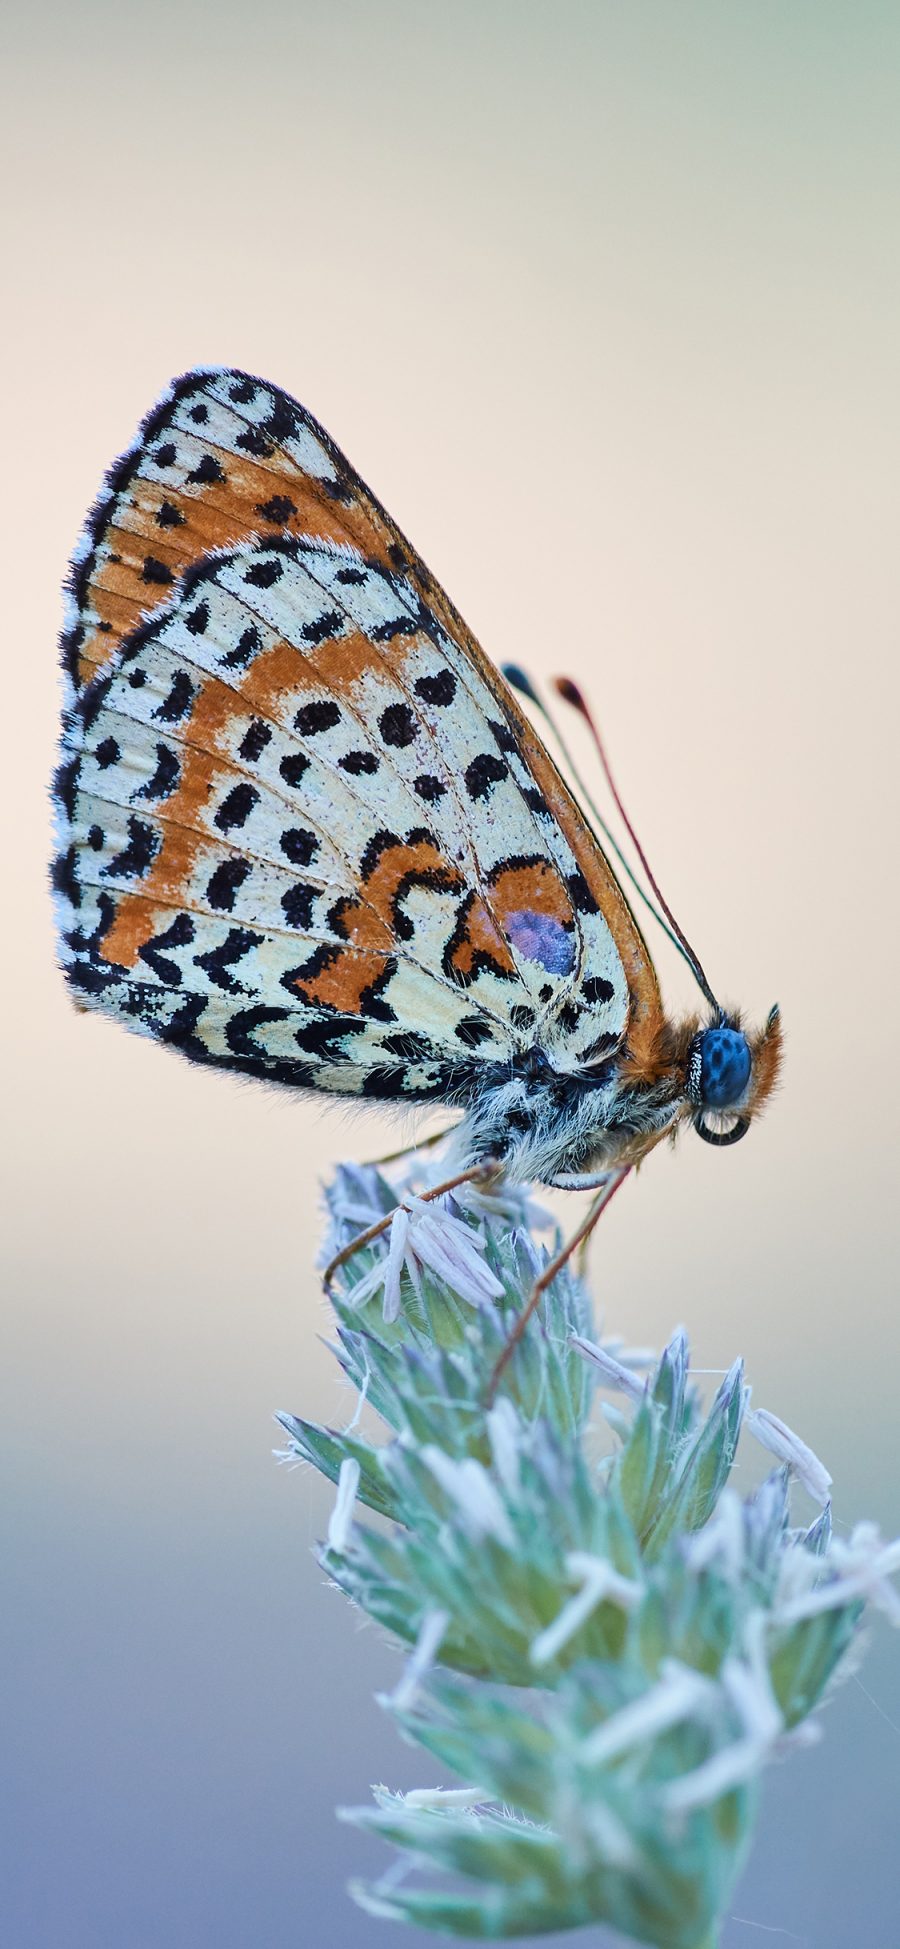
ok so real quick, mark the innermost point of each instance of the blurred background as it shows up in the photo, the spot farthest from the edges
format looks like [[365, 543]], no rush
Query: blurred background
[[603, 302]]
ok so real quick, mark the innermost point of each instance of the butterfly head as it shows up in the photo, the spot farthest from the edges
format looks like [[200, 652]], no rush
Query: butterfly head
[[730, 1075]]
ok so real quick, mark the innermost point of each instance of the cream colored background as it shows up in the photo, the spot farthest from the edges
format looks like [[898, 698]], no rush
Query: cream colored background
[[603, 301]]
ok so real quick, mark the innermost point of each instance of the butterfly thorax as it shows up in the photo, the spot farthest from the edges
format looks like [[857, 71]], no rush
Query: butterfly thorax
[[570, 1125]]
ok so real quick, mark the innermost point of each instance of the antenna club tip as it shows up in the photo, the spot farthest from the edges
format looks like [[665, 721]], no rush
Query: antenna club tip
[[519, 679], [568, 690]]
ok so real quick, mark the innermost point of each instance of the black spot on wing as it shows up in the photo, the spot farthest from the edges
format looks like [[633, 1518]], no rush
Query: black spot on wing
[[283, 417], [178, 701], [359, 763], [429, 788], [297, 904], [410, 1046], [219, 961], [79, 939], [323, 1036], [248, 645], [137, 857], [484, 771], [504, 737], [337, 490], [387, 1080], [396, 626], [279, 509], [198, 621], [108, 753], [439, 689], [298, 845], [156, 571], [243, 1025], [225, 883], [207, 472], [292, 768], [236, 808], [582, 898], [322, 627], [167, 516], [165, 777], [263, 575], [473, 1030], [320, 715], [397, 725], [596, 989], [254, 442], [180, 934], [63, 877], [93, 700], [253, 743], [65, 784]]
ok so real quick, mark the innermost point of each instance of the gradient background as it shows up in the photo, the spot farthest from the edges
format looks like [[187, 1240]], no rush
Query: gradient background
[[603, 301]]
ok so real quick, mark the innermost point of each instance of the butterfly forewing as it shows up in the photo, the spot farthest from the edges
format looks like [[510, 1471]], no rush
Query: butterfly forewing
[[222, 458]]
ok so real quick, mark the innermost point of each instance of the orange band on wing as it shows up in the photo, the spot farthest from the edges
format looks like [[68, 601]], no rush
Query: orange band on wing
[[477, 944], [345, 979]]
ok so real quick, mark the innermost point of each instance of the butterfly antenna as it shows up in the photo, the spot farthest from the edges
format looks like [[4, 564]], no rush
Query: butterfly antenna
[[520, 681], [570, 693]]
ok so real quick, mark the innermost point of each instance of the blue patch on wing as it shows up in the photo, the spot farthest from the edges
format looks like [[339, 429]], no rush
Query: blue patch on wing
[[540, 938]]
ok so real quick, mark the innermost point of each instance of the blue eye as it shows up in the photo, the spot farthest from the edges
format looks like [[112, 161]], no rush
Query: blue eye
[[719, 1068]]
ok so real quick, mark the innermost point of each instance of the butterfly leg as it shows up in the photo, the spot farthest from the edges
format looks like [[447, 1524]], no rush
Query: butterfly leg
[[481, 1173], [578, 1240]]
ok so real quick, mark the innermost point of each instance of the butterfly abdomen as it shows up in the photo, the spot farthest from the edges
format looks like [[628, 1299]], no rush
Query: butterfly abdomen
[[550, 1124]]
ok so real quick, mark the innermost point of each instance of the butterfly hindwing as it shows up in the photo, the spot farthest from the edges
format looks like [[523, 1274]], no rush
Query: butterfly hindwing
[[307, 831]]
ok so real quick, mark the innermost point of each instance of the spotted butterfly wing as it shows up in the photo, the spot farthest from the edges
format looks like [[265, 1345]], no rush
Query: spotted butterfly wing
[[307, 832]]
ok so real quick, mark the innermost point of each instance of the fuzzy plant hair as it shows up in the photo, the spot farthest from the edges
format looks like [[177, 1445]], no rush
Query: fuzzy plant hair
[[606, 1642]]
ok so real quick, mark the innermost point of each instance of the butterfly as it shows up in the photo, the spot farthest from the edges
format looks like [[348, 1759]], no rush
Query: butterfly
[[308, 833]]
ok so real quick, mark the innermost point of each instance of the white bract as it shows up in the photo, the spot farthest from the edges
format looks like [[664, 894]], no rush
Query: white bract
[[426, 1234], [342, 1513], [470, 1488], [613, 1373], [428, 1643], [860, 1567], [780, 1440], [600, 1583]]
